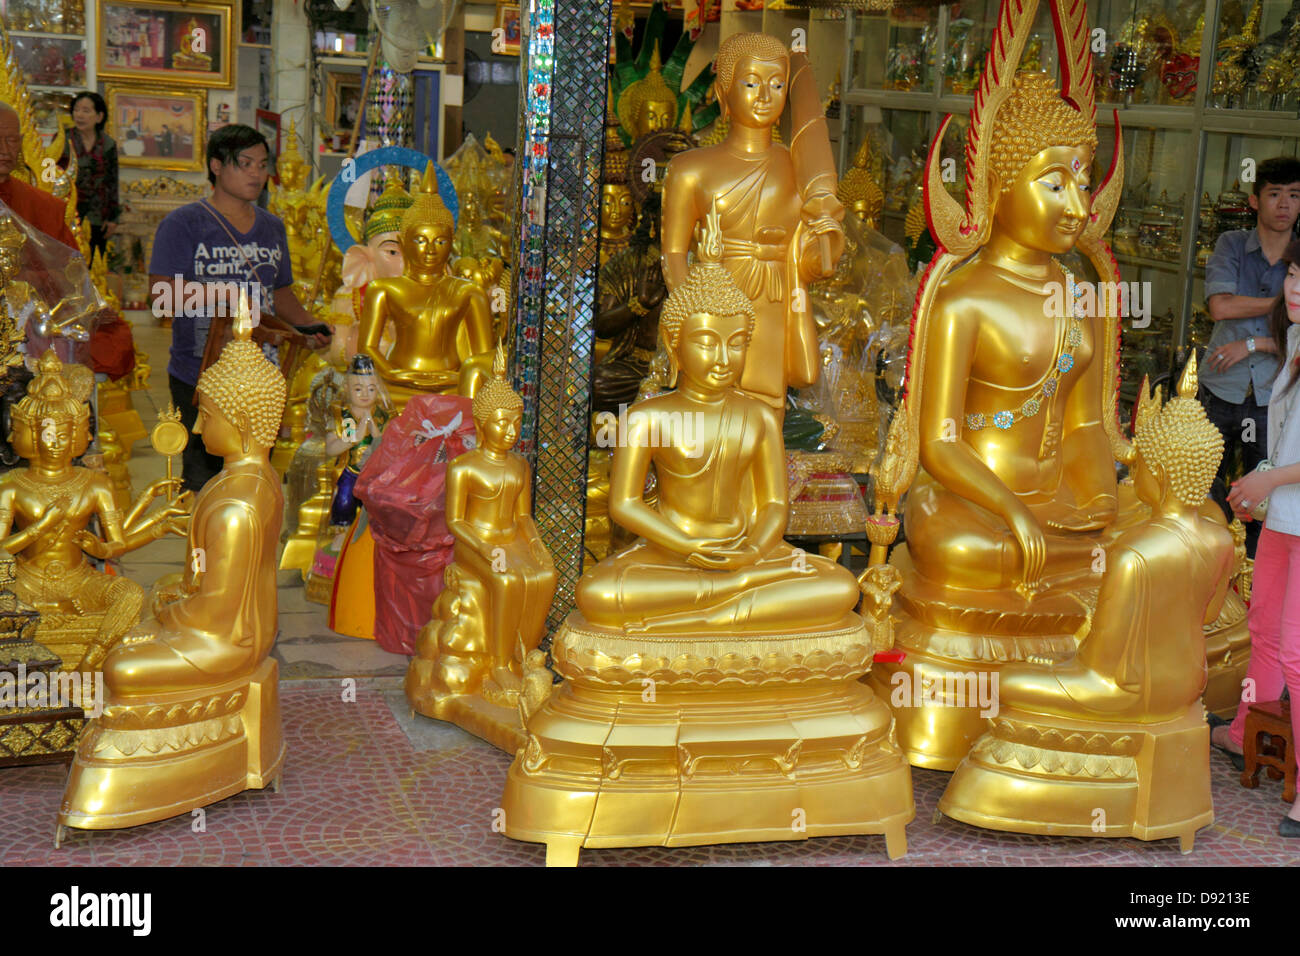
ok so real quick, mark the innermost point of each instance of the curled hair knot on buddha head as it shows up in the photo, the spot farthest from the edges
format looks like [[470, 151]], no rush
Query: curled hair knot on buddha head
[[243, 383], [1034, 118], [708, 288], [496, 393], [1179, 442]]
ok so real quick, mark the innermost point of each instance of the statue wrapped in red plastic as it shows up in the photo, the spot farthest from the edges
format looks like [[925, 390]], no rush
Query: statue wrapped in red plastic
[[403, 487]]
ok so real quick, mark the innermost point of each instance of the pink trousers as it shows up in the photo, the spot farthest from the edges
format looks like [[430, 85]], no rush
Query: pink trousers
[[1274, 629]]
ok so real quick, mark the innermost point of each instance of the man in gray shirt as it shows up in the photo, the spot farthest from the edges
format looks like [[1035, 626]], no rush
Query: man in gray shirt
[[1242, 279]]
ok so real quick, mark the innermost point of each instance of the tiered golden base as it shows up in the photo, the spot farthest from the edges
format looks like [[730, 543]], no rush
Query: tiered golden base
[[149, 760], [1038, 774], [683, 742]]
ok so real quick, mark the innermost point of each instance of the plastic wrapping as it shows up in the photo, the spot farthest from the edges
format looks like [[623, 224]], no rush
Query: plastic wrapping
[[403, 487], [48, 291]]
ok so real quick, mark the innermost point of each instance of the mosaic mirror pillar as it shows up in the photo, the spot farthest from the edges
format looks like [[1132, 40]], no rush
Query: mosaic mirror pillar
[[555, 263]]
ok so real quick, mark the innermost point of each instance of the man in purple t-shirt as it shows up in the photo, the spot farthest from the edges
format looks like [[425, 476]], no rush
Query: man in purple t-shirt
[[224, 239]]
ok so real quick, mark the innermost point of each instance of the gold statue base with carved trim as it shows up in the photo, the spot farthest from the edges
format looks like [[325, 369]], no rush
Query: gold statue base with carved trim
[[951, 646], [492, 714], [667, 740], [1031, 773], [149, 760]]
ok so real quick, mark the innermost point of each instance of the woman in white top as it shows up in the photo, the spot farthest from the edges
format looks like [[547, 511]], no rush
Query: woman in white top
[[1275, 593]]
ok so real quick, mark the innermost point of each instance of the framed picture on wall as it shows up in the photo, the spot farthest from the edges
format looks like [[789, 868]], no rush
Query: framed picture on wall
[[158, 129], [181, 44], [511, 28], [342, 107]]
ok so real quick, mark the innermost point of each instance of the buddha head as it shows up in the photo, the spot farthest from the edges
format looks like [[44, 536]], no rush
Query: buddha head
[[1178, 447], [50, 424], [497, 409], [1040, 166], [617, 210], [364, 391], [753, 70], [859, 191], [12, 240], [706, 322], [383, 229], [649, 104], [427, 228], [241, 397]]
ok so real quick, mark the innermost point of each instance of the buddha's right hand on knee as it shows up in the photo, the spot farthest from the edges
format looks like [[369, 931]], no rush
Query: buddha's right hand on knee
[[1033, 544]]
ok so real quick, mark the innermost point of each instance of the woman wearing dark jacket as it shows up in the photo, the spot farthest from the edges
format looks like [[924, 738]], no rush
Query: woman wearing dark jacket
[[96, 167]]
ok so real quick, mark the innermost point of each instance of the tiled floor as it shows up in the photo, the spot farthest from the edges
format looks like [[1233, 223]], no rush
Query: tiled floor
[[367, 783]]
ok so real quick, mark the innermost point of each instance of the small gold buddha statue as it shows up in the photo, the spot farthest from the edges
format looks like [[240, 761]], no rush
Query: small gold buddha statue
[[472, 657], [357, 419], [1120, 727], [192, 713], [780, 217], [858, 189], [425, 307], [648, 104], [617, 207], [45, 512], [698, 657], [188, 55]]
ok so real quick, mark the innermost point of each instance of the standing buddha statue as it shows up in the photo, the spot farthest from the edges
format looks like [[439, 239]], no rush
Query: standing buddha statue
[[425, 307], [192, 713], [780, 217]]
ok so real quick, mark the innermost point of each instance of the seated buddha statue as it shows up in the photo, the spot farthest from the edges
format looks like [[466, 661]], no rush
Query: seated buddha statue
[[1011, 408], [711, 669], [1120, 725], [425, 307], [471, 657], [703, 560], [192, 709], [45, 512]]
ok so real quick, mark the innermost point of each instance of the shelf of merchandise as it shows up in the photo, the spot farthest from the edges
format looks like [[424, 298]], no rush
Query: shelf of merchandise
[[87, 48], [1219, 137]]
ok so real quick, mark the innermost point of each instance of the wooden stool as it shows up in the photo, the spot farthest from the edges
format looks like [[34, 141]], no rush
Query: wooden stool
[[1274, 719]]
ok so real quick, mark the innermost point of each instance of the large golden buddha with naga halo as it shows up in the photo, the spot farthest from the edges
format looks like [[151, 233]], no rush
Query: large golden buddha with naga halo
[[192, 712], [711, 691], [1011, 401], [780, 218], [425, 307], [1113, 742]]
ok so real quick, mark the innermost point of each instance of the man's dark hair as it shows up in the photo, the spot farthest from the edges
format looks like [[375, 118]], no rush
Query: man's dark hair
[[1278, 171], [97, 102], [227, 143]]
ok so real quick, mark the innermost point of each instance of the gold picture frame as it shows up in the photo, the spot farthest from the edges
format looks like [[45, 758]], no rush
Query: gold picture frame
[[179, 44], [158, 129]]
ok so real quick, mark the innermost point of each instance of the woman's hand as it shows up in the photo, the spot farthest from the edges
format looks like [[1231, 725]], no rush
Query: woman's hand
[[1248, 491]]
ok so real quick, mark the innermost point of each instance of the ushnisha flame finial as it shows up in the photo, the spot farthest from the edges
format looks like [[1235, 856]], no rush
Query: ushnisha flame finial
[[1190, 381]]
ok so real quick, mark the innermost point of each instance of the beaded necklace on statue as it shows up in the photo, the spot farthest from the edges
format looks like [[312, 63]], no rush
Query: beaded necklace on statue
[[1062, 365]]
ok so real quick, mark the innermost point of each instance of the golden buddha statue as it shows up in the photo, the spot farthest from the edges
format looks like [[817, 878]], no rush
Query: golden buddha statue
[[1119, 728], [1011, 401], [471, 658], [648, 104], [192, 713], [45, 511], [711, 691], [425, 307], [858, 189], [617, 207], [780, 218]]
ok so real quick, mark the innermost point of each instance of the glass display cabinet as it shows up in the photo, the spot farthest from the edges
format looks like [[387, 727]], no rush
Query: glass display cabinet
[[1194, 129]]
